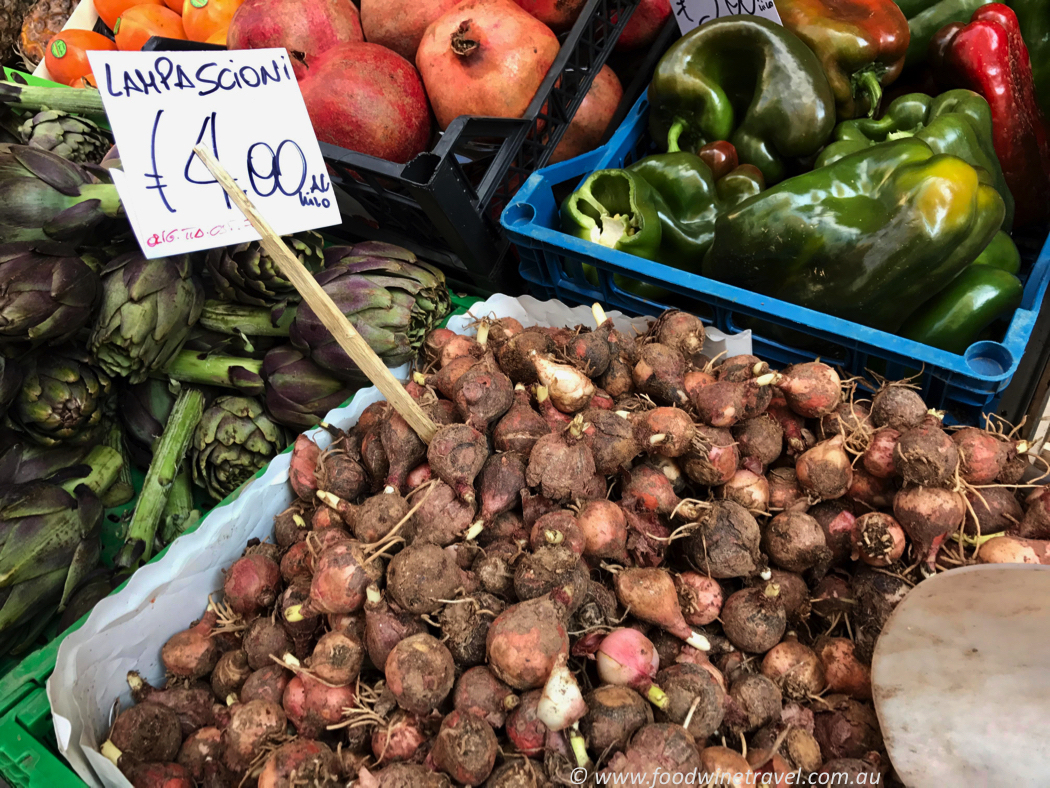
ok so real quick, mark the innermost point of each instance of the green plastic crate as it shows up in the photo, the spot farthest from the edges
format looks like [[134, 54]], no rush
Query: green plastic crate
[[460, 305], [11, 75], [27, 746]]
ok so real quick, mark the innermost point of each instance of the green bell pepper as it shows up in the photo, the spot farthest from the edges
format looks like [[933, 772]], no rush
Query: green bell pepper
[[1001, 253], [867, 238], [954, 318], [1034, 18], [746, 80], [924, 23], [662, 208], [616, 209], [958, 122], [687, 204]]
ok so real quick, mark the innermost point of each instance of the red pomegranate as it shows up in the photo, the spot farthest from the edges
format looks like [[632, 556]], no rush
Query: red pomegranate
[[366, 98], [306, 28], [558, 15], [399, 24], [644, 25], [484, 57], [592, 118]]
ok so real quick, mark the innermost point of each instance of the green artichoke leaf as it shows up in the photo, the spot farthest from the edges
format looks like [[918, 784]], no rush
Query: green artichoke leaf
[[27, 599], [56, 172], [32, 500], [357, 294], [85, 559], [45, 542]]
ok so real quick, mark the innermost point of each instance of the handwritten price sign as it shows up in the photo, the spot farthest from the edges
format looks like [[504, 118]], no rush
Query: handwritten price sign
[[693, 13], [246, 108]]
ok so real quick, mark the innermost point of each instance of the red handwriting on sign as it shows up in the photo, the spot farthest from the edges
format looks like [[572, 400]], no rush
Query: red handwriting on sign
[[191, 233]]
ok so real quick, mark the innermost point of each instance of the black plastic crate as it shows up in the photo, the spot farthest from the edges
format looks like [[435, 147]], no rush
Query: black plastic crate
[[445, 204]]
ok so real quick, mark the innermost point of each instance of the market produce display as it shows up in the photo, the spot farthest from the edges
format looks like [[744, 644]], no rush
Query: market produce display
[[900, 220], [197, 368], [614, 554]]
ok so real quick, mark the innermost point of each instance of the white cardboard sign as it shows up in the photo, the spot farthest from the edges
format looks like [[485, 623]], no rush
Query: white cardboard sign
[[693, 13], [246, 108]]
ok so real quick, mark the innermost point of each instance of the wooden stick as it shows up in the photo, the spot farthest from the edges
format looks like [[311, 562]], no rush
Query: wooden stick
[[325, 309]]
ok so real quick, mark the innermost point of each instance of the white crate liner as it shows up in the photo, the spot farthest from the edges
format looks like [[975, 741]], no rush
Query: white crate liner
[[126, 631]]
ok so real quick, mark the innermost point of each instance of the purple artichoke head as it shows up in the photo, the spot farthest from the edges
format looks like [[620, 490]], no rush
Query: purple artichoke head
[[233, 440], [64, 399], [148, 309], [392, 302], [44, 197], [298, 392], [245, 274], [43, 297]]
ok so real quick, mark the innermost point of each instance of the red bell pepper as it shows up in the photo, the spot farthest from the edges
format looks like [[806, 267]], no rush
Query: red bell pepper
[[989, 56]]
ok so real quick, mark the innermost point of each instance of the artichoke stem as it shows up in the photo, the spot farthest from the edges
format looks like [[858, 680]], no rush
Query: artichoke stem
[[178, 514], [236, 319], [122, 490], [105, 464], [189, 366], [167, 457], [80, 101]]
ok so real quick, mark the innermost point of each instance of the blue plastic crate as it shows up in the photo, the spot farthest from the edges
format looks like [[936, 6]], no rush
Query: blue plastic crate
[[551, 264]]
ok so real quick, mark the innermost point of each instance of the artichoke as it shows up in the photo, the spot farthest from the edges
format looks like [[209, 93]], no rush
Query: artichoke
[[64, 399], [49, 539], [94, 588], [44, 197], [392, 302], [245, 274], [10, 382], [22, 461], [148, 308], [233, 440], [71, 137], [43, 297], [23, 604], [43, 527], [298, 392], [144, 409]]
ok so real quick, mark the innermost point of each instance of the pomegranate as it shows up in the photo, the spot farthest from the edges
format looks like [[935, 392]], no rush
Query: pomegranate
[[484, 57], [592, 118], [366, 98], [644, 25], [558, 15], [306, 28], [400, 24]]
